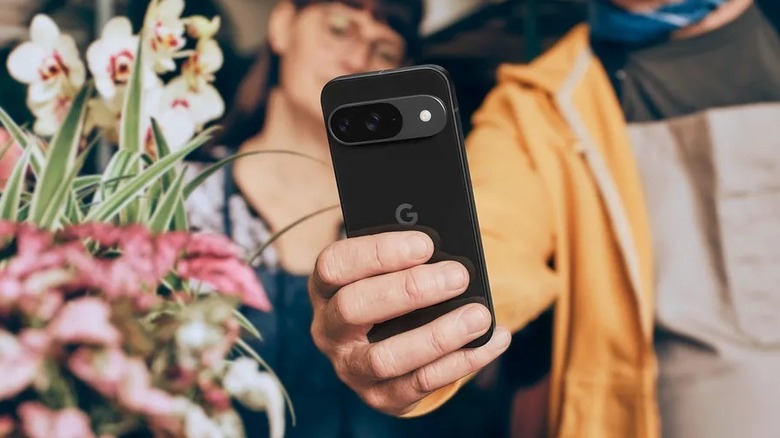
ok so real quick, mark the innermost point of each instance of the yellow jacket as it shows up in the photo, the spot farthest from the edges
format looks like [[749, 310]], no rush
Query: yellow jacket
[[563, 220]]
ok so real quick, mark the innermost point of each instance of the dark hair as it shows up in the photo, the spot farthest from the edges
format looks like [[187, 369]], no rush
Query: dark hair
[[247, 115]]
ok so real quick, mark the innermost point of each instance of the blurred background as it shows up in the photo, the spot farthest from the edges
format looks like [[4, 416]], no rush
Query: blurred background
[[470, 38]]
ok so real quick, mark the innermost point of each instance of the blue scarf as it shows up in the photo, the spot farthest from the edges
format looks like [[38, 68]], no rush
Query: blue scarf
[[612, 23]]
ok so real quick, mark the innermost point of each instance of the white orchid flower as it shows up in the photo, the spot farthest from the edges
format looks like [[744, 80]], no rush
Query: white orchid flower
[[112, 57], [198, 425], [172, 115], [200, 27], [182, 110], [200, 67], [257, 391], [205, 104], [229, 424], [50, 114], [49, 63], [166, 33]]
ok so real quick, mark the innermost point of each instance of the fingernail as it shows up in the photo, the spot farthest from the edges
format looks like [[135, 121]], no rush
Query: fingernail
[[416, 247], [455, 276], [475, 320]]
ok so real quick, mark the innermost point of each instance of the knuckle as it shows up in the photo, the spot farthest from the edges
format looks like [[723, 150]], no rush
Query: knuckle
[[326, 266], [344, 365], [381, 364], [413, 285], [423, 379], [342, 370], [437, 340], [343, 308], [471, 360], [378, 255], [319, 336], [376, 398]]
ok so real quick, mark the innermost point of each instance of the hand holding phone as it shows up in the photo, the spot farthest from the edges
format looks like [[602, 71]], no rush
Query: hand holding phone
[[397, 302], [362, 281]]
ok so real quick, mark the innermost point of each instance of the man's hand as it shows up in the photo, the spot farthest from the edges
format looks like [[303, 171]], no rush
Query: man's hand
[[367, 280]]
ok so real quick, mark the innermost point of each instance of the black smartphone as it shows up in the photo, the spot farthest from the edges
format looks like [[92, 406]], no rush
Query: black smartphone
[[398, 154]]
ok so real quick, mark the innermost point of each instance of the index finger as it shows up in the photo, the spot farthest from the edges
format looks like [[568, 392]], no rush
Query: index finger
[[350, 260]]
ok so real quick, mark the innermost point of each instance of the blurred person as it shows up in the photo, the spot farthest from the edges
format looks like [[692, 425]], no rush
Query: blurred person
[[277, 108], [630, 176]]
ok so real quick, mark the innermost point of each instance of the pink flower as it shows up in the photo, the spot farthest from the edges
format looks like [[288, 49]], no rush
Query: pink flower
[[32, 241], [43, 307], [106, 235], [217, 398], [138, 267], [10, 291], [214, 259], [8, 229], [180, 378], [6, 426], [20, 360], [144, 303], [38, 421], [137, 394], [211, 245], [102, 370], [85, 320], [36, 341], [229, 276], [168, 249]]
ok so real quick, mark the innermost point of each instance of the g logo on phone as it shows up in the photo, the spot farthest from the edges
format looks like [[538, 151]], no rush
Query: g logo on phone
[[404, 215]]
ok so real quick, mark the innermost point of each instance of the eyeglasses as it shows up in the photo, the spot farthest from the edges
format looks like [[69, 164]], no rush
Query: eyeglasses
[[344, 33]]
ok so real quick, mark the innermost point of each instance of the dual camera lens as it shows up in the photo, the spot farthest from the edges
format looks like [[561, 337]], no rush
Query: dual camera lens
[[372, 123], [366, 122]]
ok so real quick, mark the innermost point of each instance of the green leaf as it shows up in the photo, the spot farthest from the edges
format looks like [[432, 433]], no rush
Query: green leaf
[[130, 136], [279, 233], [6, 146], [180, 217], [13, 129], [162, 145], [18, 134], [60, 156], [161, 218], [164, 151], [73, 213], [86, 181], [207, 172], [135, 187], [9, 201], [37, 157], [58, 205], [246, 324], [115, 170]]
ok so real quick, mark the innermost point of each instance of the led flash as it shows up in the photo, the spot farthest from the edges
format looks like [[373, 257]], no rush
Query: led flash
[[425, 116]]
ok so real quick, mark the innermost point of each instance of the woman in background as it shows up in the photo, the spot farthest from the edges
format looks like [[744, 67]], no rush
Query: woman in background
[[277, 108]]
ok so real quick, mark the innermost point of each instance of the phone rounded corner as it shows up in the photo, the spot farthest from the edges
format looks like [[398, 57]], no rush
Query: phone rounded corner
[[484, 339], [440, 70]]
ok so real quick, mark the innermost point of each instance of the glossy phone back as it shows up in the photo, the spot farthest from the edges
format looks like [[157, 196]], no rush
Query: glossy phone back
[[421, 184]]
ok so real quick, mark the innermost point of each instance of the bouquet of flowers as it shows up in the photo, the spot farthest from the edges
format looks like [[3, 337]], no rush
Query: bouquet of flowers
[[115, 320], [101, 338]]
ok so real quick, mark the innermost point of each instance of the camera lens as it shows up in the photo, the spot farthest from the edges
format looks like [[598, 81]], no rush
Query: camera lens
[[373, 122], [344, 125]]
